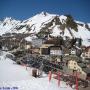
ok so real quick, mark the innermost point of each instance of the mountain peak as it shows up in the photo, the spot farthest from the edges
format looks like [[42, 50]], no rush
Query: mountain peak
[[63, 19], [55, 25], [44, 13], [7, 19]]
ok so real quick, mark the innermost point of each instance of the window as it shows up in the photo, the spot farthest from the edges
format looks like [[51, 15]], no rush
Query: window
[[74, 68], [74, 63], [80, 72]]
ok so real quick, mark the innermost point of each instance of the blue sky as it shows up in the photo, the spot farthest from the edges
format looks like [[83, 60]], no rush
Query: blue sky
[[24, 9]]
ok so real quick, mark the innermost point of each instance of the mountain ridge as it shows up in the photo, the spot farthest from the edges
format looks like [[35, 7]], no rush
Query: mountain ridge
[[44, 23]]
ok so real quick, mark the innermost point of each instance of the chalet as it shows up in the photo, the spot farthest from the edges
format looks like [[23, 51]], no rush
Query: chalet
[[73, 65], [37, 42], [80, 67], [56, 53], [87, 71], [45, 49], [56, 41], [78, 42], [25, 45], [28, 45], [56, 50], [35, 50], [66, 51], [12, 43], [73, 51], [86, 53], [4, 48], [51, 47], [88, 63]]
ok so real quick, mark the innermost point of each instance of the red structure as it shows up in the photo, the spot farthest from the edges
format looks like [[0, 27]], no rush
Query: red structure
[[50, 75], [58, 77], [76, 81]]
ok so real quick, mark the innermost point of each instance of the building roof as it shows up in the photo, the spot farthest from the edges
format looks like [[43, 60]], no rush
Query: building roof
[[82, 65], [50, 42], [55, 41], [87, 48], [55, 48]]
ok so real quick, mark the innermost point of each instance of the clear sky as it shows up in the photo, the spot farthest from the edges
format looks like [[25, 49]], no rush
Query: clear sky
[[24, 9]]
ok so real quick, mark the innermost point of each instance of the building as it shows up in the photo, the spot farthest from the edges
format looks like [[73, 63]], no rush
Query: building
[[87, 71], [35, 50], [80, 67], [51, 47], [86, 53], [56, 50], [45, 49], [73, 51], [78, 42], [56, 53]]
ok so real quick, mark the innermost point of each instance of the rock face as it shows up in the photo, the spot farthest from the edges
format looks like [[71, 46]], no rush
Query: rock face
[[45, 24]]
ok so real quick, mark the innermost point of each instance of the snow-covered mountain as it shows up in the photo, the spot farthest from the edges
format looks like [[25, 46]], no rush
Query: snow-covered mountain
[[8, 24], [45, 23]]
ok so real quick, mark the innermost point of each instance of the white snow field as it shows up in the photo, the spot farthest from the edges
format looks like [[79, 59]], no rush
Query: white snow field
[[16, 77]]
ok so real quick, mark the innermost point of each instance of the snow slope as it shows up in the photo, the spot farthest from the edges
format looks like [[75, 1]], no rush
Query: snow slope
[[7, 25], [38, 20], [10, 71], [36, 84], [16, 76]]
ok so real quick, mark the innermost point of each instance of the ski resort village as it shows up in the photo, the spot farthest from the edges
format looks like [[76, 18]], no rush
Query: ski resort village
[[44, 52]]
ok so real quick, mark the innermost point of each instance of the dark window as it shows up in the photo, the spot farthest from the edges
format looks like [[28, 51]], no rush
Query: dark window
[[45, 51]]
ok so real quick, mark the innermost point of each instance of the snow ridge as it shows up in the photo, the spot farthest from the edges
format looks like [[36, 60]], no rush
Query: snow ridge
[[53, 23]]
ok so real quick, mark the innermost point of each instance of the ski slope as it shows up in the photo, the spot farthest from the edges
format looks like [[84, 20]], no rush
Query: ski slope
[[13, 75]]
